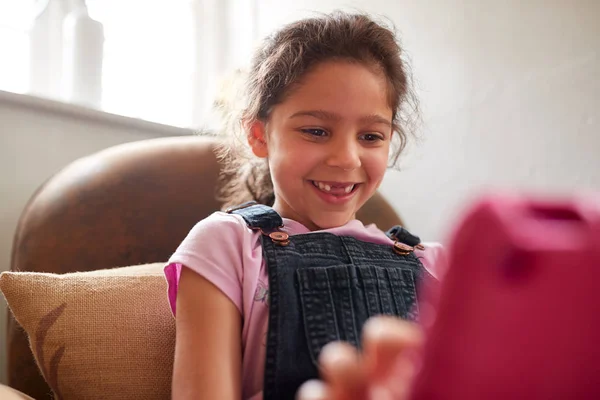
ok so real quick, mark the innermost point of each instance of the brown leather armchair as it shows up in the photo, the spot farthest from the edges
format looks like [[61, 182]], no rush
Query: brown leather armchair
[[130, 204]]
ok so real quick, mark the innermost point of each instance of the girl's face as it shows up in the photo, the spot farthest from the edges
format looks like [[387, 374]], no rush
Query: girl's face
[[327, 144]]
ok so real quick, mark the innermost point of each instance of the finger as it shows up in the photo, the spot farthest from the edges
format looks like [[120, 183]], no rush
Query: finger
[[343, 372], [399, 380], [386, 340], [313, 390]]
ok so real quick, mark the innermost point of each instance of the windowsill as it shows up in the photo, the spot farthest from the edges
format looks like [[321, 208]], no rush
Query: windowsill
[[80, 112]]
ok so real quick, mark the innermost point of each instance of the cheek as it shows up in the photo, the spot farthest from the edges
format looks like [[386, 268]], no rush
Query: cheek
[[377, 164], [287, 164], [294, 156]]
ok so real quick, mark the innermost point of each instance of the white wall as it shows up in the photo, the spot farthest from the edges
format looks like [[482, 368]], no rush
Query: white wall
[[510, 93], [38, 138]]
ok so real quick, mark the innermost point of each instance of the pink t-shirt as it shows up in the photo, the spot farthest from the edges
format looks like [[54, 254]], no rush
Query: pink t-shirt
[[227, 253]]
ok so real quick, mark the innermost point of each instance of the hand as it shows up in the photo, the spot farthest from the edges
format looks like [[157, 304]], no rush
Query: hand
[[384, 370]]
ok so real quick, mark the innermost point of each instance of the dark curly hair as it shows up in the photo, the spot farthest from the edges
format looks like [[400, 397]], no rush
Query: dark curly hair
[[280, 63]]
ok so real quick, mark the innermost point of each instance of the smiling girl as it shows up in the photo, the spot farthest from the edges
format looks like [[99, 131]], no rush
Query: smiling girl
[[259, 290]]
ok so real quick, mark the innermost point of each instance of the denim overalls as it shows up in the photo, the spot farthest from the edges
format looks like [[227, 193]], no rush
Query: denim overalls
[[323, 288]]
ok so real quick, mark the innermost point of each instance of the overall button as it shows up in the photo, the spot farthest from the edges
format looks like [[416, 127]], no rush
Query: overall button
[[280, 238], [402, 249]]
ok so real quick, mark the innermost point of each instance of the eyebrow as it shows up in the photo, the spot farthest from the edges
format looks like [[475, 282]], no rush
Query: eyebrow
[[329, 116]]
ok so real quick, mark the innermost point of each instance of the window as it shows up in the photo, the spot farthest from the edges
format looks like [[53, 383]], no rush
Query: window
[[15, 19], [148, 58], [161, 59]]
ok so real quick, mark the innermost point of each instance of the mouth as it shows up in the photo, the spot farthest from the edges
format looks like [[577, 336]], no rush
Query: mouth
[[336, 189]]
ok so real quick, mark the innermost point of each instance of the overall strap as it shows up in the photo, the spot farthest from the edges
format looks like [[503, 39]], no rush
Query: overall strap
[[258, 216], [400, 234]]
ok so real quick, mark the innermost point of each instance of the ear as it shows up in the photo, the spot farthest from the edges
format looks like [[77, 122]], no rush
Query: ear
[[257, 138]]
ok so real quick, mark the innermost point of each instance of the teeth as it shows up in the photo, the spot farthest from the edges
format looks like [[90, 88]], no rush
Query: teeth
[[327, 188], [324, 187]]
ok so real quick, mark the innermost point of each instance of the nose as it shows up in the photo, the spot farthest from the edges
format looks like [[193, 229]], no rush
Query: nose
[[344, 154]]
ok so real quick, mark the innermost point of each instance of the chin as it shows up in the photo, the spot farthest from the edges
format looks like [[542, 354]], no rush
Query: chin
[[328, 220]]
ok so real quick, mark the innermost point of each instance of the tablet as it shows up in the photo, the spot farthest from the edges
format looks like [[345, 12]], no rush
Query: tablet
[[517, 315]]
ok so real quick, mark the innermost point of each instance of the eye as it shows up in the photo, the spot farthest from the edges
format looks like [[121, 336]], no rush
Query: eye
[[371, 137], [314, 132]]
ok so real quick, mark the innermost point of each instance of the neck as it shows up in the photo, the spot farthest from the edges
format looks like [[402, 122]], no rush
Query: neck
[[286, 212]]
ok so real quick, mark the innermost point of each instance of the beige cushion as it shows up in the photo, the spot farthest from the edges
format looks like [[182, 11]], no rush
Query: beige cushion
[[103, 334], [7, 393]]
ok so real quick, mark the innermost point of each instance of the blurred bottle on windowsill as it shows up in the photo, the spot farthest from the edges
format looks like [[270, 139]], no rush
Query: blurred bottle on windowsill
[[45, 47], [83, 48]]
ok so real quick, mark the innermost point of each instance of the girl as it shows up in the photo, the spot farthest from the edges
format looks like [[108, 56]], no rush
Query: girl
[[258, 291]]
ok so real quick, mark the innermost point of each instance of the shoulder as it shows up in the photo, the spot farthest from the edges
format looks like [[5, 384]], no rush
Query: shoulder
[[434, 258], [431, 254], [215, 248], [220, 222], [220, 234], [221, 226]]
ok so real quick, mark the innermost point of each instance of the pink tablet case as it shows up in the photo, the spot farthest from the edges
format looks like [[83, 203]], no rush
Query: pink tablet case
[[517, 315]]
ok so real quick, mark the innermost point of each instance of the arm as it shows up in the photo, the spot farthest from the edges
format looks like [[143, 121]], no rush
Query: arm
[[208, 347]]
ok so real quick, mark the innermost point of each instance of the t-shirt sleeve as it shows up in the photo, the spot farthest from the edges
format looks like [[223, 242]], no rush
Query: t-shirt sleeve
[[213, 249], [434, 259]]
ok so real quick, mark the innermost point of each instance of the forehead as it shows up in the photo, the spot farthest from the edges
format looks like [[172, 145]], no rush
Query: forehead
[[342, 87]]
